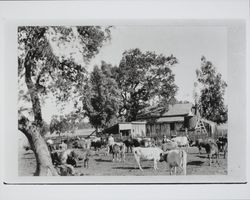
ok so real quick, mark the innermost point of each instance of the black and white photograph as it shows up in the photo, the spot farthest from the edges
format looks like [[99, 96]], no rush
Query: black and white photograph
[[122, 100]]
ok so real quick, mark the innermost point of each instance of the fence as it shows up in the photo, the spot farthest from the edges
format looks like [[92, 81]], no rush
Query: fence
[[194, 135]]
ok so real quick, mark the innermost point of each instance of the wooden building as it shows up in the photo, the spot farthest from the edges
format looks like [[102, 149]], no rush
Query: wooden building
[[123, 130], [176, 118]]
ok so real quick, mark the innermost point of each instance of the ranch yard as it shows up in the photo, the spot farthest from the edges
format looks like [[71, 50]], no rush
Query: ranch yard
[[102, 165]]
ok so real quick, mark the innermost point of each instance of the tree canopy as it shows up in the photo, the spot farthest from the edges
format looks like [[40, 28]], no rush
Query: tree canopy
[[101, 97], [142, 78], [211, 102]]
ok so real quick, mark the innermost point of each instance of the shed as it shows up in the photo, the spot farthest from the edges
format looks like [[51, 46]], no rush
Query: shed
[[126, 129]]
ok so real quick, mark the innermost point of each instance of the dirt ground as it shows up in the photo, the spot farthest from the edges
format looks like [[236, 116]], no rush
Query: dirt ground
[[101, 165]]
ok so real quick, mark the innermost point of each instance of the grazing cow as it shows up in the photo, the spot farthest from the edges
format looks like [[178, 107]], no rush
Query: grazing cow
[[210, 147], [169, 145], [175, 158], [212, 151], [82, 144], [97, 144], [182, 141], [65, 170], [118, 150], [200, 143], [149, 153], [131, 143], [222, 144], [70, 157]]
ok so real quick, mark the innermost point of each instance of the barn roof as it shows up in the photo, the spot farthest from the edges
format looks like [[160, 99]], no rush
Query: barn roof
[[178, 109], [175, 110], [170, 119]]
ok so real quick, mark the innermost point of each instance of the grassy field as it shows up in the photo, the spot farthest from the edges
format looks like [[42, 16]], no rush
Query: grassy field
[[101, 165]]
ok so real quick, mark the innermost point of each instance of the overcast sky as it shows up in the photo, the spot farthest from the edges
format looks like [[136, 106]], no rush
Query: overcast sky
[[187, 43]]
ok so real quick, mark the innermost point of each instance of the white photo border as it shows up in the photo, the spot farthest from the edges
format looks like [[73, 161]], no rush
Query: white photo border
[[139, 12]]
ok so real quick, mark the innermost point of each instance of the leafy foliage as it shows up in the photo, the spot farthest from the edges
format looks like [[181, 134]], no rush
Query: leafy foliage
[[144, 77], [47, 71], [64, 123], [211, 101], [101, 97]]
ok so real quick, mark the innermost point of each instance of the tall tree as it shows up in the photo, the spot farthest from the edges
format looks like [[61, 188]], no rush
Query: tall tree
[[211, 101], [143, 77], [101, 97], [46, 73]]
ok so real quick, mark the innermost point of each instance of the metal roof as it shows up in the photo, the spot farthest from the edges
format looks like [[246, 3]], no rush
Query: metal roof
[[170, 119]]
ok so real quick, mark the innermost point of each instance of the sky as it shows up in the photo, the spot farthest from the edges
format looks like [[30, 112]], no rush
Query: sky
[[186, 43]]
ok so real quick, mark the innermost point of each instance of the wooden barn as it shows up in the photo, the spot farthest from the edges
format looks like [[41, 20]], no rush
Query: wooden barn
[[176, 118], [123, 130]]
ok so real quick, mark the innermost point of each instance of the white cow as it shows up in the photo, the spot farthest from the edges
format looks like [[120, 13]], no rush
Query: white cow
[[149, 153], [182, 141], [175, 158], [169, 145]]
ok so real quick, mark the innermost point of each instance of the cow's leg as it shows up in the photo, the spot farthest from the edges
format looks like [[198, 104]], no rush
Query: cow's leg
[[217, 158], [155, 164], [175, 170], [116, 157], [171, 170], [113, 157], [138, 162], [184, 169], [119, 156], [123, 156]]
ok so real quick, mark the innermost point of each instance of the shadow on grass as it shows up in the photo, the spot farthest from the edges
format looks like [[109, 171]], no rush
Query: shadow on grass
[[202, 156], [196, 162], [101, 160], [130, 168]]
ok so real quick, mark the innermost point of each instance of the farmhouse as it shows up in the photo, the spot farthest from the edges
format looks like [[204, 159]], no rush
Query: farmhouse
[[175, 118]]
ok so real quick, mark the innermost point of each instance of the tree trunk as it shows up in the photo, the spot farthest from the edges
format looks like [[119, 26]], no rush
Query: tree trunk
[[38, 145], [34, 131]]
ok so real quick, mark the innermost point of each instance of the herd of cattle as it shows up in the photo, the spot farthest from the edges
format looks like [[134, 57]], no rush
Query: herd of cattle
[[174, 151]]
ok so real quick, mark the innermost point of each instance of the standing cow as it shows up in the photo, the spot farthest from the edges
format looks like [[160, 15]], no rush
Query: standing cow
[[129, 143], [210, 146], [149, 153], [222, 145], [175, 158], [118, 151]]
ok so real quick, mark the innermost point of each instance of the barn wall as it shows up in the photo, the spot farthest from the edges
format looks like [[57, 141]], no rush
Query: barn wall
[[125, 126], [158, 129], [138, 130]]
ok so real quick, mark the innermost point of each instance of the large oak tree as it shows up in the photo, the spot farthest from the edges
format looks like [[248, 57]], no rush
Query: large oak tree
[[46, 73], [143, 78]]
